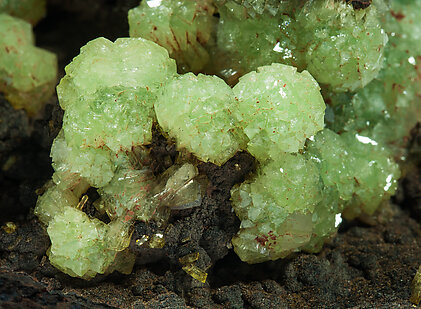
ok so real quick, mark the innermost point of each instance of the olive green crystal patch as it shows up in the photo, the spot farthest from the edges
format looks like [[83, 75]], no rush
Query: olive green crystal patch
[[182, 27], [27, 73]]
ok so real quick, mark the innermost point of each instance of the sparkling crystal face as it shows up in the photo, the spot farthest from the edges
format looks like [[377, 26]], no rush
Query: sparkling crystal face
[[316, 162]]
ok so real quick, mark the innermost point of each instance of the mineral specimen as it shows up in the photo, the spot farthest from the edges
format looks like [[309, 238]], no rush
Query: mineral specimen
[[342, 47], [27, 73], [393, 98], [278, 108], [338, 45], [201, 119], [30, 10], [183, 27], [118, 96]]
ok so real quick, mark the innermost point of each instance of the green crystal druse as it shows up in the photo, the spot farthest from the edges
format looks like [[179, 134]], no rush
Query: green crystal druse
[[30, 10], [393, 98], [312, 167], [80, 246], [342, 47], [286, 191], [27, 73], [292, 202], [108, 95], [252, 42], [183, 27], [201, 119], [278, 108]]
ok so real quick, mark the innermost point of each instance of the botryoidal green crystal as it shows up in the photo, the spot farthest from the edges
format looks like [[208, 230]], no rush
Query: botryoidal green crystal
[[30, 10], [201, 119], [108, 95], [338, 45], [81, 246], [342, 47], [307, 176], [183, 27], [249, 43], [392, 100], [278, 108], [27, 73], [292, 202]]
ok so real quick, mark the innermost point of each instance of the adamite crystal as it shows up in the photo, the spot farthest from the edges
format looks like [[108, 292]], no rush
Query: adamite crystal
[[197, 112], [302, 194], [278, 108], [183, 27], [286, 191], [108, 94], [80, 246], [27, 73], [307, 175], [392, 100], [362, 171], [30, 10], [342, 47], [252, 42]]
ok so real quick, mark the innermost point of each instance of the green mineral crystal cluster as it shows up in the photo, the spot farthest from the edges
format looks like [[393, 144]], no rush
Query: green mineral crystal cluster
[[322, 95], [27, 73], [30, 10]]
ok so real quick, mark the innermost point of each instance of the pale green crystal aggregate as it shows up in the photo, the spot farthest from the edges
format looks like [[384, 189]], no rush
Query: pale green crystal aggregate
[[278, 108], [253, 42], [201, 118], [392, 100], [27, 73], [275, 208], [362, 171], [306, 175], [342, 47], [338, 45], [30, 10], [183, 27], [80, 246]]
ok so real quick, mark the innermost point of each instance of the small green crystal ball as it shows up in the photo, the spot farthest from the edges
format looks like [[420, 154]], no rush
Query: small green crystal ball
[[342, 47], [27, 73], [109, 91], [278, 108], [197, 112]]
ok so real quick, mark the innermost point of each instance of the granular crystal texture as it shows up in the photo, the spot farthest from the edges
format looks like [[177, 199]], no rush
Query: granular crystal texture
[[253, 42], [79, 245], [30, 10], [197, 112], [276, 208], [95, 165], [27, 73], [53, 202], [343, 47], [278, 109], [128, 62], [117, 117], [108, 95], [392, 100], [182, 27], [362, 171], [258, 7]]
